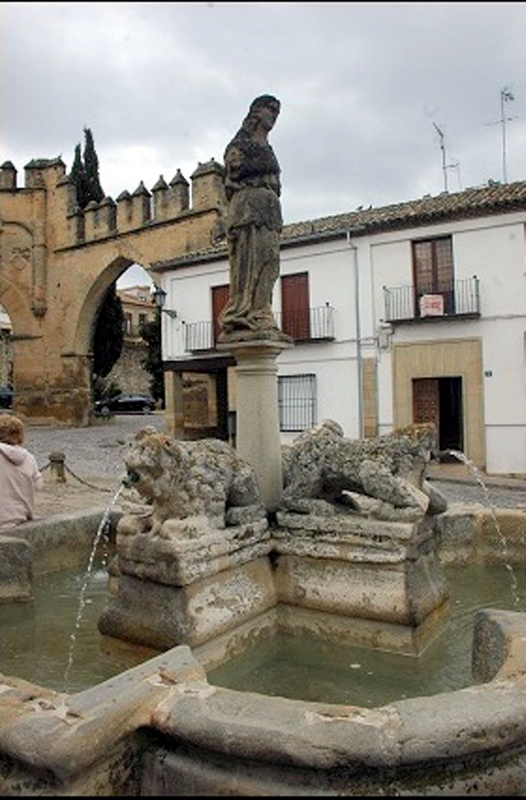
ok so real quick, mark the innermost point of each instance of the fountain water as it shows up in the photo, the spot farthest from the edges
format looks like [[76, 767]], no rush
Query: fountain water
[[100, 534], [463, 459]]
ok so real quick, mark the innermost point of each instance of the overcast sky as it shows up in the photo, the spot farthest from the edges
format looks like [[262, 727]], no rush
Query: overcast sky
[[363, 89]]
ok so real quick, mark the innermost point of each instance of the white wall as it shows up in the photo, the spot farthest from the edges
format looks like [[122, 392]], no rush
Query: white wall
[[491, 248]]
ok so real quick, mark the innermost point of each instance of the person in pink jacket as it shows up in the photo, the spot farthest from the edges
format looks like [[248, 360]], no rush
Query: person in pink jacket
[[19, 474]]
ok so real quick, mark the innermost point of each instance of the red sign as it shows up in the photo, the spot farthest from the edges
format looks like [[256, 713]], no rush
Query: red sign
[[432, 305]]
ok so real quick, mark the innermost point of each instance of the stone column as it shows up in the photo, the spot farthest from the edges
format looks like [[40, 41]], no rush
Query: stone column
[[257, 417]]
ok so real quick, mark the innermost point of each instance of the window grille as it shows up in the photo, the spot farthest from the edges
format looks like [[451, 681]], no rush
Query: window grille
[[297, 402]]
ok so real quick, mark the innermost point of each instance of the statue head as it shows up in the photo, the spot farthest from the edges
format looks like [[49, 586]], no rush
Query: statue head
[[262, 103]]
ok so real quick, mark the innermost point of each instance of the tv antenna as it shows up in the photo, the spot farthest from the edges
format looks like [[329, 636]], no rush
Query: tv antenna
[[445, 165], [506, 96]]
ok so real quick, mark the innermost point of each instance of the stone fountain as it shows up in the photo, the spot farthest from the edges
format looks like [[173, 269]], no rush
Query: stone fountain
[[330, 535], [203, 572], [351, 552]]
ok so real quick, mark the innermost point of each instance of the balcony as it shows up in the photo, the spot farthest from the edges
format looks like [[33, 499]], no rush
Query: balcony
[[404, 305], [315, 326]]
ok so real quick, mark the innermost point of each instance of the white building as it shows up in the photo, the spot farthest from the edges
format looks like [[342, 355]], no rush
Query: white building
[[407, 313]]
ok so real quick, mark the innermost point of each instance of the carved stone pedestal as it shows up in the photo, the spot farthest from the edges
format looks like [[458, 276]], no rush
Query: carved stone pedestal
[[373, 582], [188, 584]]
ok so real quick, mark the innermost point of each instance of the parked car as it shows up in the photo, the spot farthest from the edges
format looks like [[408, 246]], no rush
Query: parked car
[[125, 404], [6, 397]]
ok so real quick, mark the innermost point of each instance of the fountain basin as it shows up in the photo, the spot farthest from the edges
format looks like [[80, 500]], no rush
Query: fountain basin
[[162, 729]]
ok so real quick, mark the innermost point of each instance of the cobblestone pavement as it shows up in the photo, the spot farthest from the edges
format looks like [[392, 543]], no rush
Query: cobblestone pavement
[[95, 467], [93, 459], [93, 452]]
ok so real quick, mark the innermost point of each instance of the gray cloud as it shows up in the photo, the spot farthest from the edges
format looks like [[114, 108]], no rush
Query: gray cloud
[[165, 85]]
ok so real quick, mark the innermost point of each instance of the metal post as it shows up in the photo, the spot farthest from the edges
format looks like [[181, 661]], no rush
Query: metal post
[[358, 334]]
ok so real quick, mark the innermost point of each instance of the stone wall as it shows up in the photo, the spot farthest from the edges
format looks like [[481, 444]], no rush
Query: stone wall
[[57, 262], [128, 373]]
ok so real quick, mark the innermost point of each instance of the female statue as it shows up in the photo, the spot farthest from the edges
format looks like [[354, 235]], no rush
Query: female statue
[[254, 222]]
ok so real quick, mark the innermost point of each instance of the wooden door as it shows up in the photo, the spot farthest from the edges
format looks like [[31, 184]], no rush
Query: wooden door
[[426, 401]]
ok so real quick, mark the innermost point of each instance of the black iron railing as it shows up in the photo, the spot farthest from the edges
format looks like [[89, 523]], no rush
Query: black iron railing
[[313, 324], [406, 304]]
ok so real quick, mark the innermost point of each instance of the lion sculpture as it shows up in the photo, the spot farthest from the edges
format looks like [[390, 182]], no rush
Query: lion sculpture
[[325, 473], [201, 479]]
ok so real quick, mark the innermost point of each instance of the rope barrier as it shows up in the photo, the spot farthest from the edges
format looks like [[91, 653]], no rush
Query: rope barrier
[[77, 477]]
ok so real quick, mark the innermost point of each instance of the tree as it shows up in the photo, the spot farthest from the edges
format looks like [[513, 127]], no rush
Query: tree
[[91, 166], [109, 333], [85, 172], [79, 178], [153, 362]]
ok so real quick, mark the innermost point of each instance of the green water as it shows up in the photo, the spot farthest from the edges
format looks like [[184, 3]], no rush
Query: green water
[[36, 636], [35, 644], [305, 667]]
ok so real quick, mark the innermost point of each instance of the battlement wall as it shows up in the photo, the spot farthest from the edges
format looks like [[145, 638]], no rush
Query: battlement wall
[[130, 212]]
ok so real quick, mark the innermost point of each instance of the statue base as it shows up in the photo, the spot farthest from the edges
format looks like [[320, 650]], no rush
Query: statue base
[[374, 582], [161, 615]]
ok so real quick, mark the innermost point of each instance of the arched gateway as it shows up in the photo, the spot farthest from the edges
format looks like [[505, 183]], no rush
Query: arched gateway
[[57, 262]]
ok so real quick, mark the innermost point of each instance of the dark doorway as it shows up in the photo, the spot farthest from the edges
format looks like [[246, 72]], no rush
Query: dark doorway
[[439, 400]]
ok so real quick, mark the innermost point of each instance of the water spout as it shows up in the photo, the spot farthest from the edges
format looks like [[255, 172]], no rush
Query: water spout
[[130, 478]]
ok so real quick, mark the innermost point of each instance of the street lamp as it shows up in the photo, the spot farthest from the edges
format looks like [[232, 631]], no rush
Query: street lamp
[[159, 298]]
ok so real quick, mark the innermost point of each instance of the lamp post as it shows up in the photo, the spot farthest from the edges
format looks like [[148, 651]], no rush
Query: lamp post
[[159, 298]]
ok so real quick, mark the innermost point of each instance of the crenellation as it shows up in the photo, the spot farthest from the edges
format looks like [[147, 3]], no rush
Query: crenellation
[[124, 212], [207, 186], [100, 218], [8, 175], [161, 200], [91, 220], [108, 215], [141, 205], [41, 173], [179, 193], [66, 203], [67, 192], [75, 222]]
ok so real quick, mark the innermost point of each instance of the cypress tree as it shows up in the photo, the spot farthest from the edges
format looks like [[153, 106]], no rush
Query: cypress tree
[[78, 175], [91, 167], [109, 333]]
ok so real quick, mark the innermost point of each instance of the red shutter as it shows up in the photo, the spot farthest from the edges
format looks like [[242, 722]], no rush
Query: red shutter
[[220, 295], [295, 305]]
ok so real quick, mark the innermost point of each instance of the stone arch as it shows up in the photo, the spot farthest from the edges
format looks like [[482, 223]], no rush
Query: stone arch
[[83, 338], [57, 261]]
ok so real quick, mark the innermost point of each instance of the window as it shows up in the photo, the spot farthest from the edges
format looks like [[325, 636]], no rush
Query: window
[[296, 402], [143, 319], [128, 323], [295, 305], [433, 271]]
